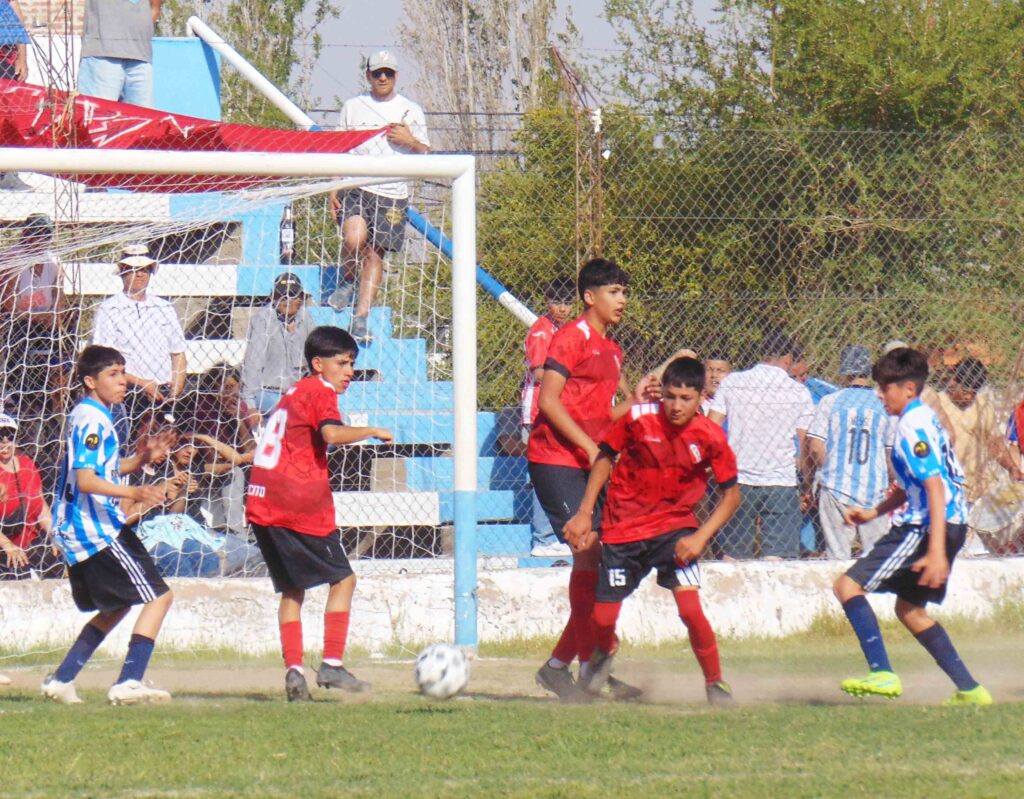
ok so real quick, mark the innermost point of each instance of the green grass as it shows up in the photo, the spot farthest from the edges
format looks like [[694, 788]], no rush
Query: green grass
[[411, 748]]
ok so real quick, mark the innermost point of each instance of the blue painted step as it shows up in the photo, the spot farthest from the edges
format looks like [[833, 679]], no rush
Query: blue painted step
[[374, 395], [423, 428], [503, 539], [379, 320], [490, 505], [433, 474]]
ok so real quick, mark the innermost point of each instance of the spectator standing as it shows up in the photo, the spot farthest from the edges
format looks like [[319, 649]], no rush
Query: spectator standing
[[14, 42], [717, 367], [559, 294], [848, 443], [765, 408], [146, 330], [273, 345], [117, 50], [372, 219]]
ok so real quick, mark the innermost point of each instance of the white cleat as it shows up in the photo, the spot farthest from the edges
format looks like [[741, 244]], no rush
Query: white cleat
[[63, 692], [133, 692], [4, 679]]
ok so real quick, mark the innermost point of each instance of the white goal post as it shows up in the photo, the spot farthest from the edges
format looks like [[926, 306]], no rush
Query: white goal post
[[460, 169]]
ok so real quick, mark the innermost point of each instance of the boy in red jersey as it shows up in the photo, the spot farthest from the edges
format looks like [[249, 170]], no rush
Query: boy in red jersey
[[664, 451], [291, 508], [577, 394]]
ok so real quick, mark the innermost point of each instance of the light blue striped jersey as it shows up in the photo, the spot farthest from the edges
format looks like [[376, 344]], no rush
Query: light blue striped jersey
[[921, 450], [88, 523], [856, 431]]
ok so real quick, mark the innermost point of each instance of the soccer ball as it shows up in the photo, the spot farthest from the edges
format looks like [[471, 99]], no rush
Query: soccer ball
[[442, 670]]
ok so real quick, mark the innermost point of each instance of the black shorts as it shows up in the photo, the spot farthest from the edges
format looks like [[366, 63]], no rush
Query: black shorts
[[297, 561], [885, 569], [117, 577], [560, 490], [624, 566], [385, 217]]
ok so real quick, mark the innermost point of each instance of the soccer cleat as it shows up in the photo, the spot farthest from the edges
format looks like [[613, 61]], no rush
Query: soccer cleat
[[623, 692], [360, 329], [135, 692], [877, 683], [295, 687], [63, 692], [719, 693], [595, 675], [329, 676], [978, 695], [559, 682]]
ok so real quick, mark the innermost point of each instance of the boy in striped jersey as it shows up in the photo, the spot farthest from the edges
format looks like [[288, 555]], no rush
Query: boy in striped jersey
[[928, 527], [658, 457], [109, 568], [848, 441]]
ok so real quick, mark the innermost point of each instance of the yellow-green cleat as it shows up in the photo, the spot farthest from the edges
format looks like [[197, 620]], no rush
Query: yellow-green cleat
[[978, 695], [877, 683]]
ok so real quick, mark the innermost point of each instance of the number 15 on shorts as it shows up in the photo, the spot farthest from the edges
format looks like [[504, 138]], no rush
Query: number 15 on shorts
[[617, 578]]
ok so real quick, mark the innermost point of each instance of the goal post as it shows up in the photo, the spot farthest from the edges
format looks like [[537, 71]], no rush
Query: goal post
[[460, 170]]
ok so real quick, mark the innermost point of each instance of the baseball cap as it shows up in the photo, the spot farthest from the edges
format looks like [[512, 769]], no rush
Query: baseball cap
[[39, 224], [135, 256], [8, 422], [855, 360], [382, 59], [287, 284]]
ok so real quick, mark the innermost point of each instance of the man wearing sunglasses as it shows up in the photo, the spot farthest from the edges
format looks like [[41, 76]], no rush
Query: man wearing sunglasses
[[372, 219]]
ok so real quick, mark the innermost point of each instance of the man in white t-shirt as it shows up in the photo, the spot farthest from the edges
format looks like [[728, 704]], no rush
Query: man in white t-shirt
[[145, 329], [765, 408], [372, 220]]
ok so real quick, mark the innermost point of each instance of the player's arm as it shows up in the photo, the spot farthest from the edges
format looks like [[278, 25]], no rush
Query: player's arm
[[91, 483], [934, 566], [855, 516], [691, 547], [578, 530], [550, 403], [341, 434], [647, 390]]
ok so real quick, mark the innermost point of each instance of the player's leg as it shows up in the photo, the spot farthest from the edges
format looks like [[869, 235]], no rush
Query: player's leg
[[337, 613], [881, 681], [60, 685]]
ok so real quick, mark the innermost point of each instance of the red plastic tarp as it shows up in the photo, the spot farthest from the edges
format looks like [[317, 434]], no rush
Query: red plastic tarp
[[35, 116]]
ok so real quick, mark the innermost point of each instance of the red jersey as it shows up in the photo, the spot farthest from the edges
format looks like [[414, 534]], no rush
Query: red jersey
[[591, 365], [661, 473], [288, 485], [537, 343], [20, 512]]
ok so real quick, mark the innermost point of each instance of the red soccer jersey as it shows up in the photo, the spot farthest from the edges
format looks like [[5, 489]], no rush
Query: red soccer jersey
[[591, 365], [537, 344], [661, 473], [288, 485]]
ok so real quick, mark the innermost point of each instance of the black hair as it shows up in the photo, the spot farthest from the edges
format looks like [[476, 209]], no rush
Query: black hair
[[684, 373], [971, 374], [327, 341], [777, 344], [94, 359], [561, 289], [214, 378], [599, 272], [899, 365]]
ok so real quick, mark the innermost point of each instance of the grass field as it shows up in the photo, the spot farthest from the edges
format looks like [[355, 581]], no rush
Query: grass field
[[793, 734]]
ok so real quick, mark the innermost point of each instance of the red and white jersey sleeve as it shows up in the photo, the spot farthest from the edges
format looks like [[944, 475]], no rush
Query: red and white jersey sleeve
[[591, 365], [661, 473], [289, 485], [537, 344]]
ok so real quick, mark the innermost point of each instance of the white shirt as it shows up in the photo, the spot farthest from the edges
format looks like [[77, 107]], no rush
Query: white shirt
[[364, 112], [765, 407], [146, 333]]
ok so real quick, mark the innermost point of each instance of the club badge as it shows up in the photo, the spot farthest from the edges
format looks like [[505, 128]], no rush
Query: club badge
[[92, 441], [921, 449]]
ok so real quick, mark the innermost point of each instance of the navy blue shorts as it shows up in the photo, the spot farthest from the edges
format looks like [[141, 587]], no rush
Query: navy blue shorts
[[885, 569], [119, 576], [560, 490], [624, 566]]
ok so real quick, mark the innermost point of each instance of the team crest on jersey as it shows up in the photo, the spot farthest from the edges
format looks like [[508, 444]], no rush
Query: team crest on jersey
[[92, 441], [695, 451], [921, 449]]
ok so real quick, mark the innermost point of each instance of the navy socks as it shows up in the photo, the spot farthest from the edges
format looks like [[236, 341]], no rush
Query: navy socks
[[139, 650], [865, 625], [936, 640], [79, 654]]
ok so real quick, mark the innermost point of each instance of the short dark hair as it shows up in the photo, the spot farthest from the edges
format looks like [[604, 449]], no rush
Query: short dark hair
[[599, 272], [971, 374], [560, 289], [327, 341], [94, 359], [684, 373], [777, 344], [899, 365]]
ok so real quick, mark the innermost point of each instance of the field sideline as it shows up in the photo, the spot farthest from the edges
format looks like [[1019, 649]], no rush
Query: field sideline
[[229, 733]]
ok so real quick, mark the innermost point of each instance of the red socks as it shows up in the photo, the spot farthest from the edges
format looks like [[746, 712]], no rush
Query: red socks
[[291, 644], [605, 616], [702, 637], [578, 635], [335, 635]]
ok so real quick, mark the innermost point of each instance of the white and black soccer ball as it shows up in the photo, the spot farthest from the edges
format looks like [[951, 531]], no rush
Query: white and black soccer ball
[[442, 670]]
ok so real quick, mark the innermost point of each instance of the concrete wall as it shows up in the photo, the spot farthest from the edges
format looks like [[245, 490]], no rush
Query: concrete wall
[[410, 602]]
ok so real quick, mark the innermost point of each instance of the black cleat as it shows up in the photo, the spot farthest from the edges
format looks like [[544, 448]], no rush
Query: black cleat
[[295, 686], [719, 693], [559, 682], [329, 676], [597, 673], [623, 692]]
